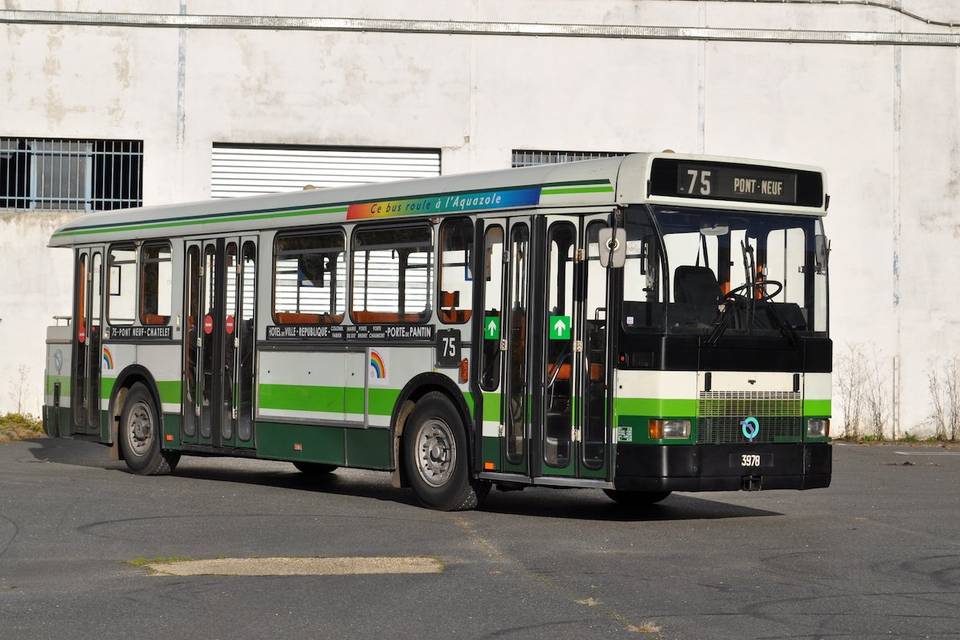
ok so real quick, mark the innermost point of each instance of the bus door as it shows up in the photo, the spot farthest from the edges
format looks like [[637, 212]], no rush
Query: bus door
[[504, 353], [87, 323], [219, 344], [571, 379]]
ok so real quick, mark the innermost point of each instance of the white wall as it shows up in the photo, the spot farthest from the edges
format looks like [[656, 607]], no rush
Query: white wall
[[882, 120]]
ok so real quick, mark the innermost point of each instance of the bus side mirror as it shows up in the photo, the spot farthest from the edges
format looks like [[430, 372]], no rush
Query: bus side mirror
[[613, 247]]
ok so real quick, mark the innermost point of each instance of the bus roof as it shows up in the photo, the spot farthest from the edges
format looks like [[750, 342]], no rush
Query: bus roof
[[635, 178]]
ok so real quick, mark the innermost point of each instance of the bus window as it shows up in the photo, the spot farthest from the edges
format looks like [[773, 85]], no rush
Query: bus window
[[309, 279], [456, 279], [559, 352], [517, 370], [492, 301], [392, 275], [248, 266], [786, 256], [194, 284], [122, 278], [642, 278], [79, 398], [156, 278]]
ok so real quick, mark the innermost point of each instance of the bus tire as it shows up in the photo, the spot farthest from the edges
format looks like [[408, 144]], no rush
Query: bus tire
[[436, 456], [140, 432], [314, 469], [636, 498]]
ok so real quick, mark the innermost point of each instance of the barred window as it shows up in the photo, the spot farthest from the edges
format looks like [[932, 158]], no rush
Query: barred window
[[77, 175], [531, 158], [392, 275], [309, 278]]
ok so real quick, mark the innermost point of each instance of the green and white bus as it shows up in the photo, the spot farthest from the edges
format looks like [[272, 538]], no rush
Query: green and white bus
[[640, 325]]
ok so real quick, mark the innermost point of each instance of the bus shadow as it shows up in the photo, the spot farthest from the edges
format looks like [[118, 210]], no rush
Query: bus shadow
[[587, 504], [570, 504]]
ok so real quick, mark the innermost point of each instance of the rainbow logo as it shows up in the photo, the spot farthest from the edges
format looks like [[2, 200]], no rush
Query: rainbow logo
[[447, 203], [378, 366], [107, 358]]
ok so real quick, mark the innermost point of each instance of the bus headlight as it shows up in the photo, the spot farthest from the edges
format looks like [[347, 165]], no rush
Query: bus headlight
[[659, 429], [818, 427]]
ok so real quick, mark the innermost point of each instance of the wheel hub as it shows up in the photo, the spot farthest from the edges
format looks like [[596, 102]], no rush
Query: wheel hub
[[140, 428], [436, 452]]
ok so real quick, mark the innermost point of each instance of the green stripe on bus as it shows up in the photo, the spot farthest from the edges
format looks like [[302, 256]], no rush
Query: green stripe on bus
[[299, 397], [64, 385], [818, 408], [296, 397], [169, 391], [382, 401], [606, 188], [655, 407], [491, 407], [240, 217]]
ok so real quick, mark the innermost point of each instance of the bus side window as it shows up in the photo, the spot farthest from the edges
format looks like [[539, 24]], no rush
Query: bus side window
[[122, 280], [392, 275], [156, 280], [456, 278], [492, 301], [309, 278]]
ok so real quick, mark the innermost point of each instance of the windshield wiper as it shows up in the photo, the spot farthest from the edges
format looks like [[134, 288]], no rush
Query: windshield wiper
[[720, 324]]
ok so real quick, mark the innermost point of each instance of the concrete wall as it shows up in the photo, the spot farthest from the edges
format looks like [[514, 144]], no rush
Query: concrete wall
[[882, 120]]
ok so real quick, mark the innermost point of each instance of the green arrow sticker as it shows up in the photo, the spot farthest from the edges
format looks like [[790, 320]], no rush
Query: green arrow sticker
[[559, 327], [491, 327]]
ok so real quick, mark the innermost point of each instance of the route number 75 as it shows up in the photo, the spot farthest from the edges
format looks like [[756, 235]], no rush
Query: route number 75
[[700, 180]]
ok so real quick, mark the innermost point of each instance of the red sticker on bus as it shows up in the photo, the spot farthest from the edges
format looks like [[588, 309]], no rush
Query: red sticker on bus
[[82, 334], [208, 324], [229, 325]]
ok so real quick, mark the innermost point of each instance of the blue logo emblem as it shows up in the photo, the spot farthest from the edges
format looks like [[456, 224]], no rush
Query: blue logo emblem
[[750, 428]]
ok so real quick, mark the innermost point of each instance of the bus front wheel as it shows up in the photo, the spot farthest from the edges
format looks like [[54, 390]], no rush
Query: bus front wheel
[[436, 456], [140, 432], [636, 498]]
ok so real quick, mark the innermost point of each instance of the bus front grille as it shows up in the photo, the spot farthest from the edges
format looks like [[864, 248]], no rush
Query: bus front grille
[[720, 413]]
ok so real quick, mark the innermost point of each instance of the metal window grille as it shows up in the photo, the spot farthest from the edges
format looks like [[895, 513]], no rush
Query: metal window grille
[[247, 169], [530, 158], [77, 175]]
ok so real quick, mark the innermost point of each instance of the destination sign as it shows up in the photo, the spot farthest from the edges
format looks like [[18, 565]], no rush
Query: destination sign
[[710, 180], [139, 333], [348, 333], [735, 183]]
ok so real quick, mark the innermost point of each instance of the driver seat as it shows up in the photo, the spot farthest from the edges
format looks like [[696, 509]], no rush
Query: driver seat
[[697, 286]]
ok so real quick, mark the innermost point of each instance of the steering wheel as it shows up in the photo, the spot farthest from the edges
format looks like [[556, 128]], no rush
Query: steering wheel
[[736, 295]]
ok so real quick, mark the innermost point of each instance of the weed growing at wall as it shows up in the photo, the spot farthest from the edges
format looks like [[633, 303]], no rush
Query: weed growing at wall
[[18, 426], [943, 382]]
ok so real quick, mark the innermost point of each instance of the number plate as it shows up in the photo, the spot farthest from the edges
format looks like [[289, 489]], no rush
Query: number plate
[[751, 460]]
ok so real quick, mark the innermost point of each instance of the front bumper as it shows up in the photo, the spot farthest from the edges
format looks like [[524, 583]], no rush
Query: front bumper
[[716, 467]]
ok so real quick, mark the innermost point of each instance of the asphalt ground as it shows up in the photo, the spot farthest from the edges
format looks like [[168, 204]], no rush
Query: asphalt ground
[[877, 555]]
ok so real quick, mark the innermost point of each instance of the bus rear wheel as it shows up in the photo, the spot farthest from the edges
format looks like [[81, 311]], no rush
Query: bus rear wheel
[[436, 456], [140, 434], [636, 498]]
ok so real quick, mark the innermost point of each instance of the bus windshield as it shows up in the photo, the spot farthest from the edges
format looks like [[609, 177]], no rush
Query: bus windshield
[[716, 273]]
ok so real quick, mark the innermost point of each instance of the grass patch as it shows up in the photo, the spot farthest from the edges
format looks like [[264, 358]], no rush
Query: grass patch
[[142, 562], [19, 426]]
